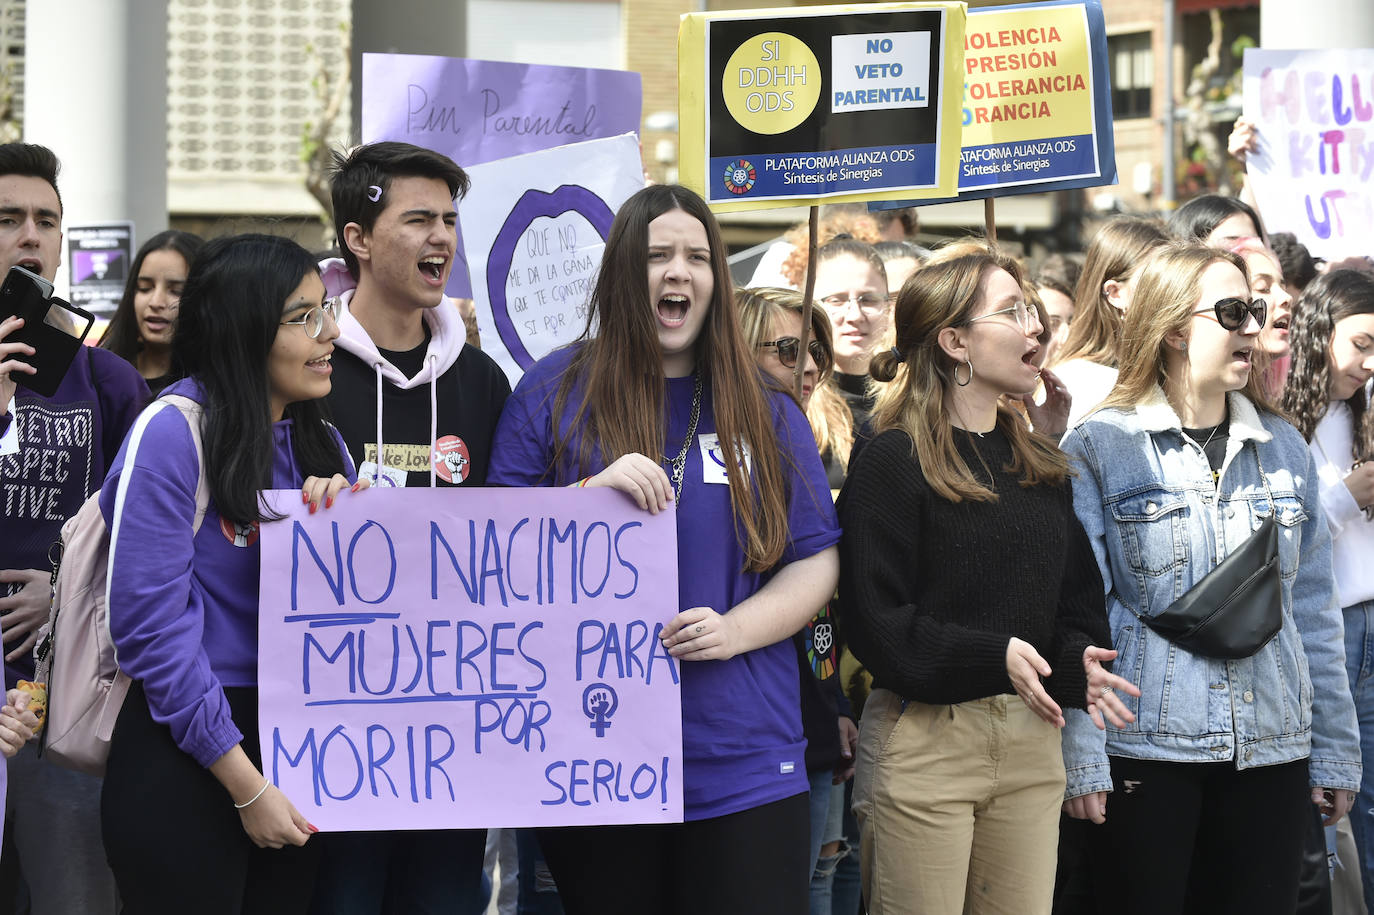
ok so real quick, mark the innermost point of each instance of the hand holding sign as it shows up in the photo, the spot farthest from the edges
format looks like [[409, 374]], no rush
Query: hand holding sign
[[318, 491], [639, 478], [272, 821]]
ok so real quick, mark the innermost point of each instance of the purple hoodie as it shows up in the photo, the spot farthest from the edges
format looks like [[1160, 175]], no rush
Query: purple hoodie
[[184, 612], [65, 445]]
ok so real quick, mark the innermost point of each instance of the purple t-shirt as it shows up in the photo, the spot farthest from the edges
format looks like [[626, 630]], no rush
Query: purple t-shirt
[[741, 722]]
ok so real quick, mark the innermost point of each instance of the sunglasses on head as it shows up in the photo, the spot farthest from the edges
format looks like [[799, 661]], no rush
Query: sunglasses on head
[[788, 347], [1232, 313]]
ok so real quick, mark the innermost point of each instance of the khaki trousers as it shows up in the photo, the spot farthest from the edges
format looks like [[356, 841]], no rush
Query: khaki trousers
[[958, 806]]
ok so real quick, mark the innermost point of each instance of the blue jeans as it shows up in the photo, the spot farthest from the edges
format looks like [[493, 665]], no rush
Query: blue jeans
[[823, 877], [847, 888], [820, 812], [1359, 666]]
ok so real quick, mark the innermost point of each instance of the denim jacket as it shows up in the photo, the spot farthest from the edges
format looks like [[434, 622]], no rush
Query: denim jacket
[[1158, 525]]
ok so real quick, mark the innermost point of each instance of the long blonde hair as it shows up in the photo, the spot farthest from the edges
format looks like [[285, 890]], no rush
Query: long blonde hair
[[1116, 253], [832, 425], [1166, 295], [944, 293]]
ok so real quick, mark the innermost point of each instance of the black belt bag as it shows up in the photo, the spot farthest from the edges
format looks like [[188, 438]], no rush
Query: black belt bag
[[1238, 606]]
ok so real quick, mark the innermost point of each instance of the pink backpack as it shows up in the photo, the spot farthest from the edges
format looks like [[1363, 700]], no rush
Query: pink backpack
[[76, 654]]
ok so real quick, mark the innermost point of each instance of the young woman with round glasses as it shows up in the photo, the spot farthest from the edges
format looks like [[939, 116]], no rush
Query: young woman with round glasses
[[255, 336], [851, 286], [662, 370], [1212, 783], [970, 592], [1333, 360]]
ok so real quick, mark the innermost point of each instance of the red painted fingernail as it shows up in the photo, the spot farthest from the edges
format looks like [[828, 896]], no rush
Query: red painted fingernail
[[305, 497], [329, 502], [313, 506], [313, 827], [354, 487]]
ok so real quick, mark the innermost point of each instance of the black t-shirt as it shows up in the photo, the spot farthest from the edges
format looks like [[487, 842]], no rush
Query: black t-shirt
[[409, 361], [1212, 440], [857, 396]]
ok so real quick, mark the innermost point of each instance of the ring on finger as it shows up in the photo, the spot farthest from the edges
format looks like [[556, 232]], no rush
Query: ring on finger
[[700, 629], [1106, 690]]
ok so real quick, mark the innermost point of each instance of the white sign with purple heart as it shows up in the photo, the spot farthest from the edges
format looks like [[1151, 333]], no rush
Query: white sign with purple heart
[[534, 226]]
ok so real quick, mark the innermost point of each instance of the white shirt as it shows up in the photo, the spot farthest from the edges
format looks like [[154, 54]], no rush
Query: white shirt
[[1333, 448], [9, 442], [1089, 384]]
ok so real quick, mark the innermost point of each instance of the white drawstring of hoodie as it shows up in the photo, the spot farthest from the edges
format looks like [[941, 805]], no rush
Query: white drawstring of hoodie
[[433, 414], [433, 360], [377, 466]]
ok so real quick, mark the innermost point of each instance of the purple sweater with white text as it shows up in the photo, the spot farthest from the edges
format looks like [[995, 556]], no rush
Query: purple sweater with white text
[[66, 444], [184, 612]]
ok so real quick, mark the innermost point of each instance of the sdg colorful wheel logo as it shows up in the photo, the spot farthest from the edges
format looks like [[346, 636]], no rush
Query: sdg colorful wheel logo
[[740, 176]]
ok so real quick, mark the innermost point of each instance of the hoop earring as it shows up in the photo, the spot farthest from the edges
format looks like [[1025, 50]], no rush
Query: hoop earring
[[969, 380]]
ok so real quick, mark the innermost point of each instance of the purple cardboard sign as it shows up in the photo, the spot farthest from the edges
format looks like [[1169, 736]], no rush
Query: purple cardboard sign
[[472, 658], [476, 111]]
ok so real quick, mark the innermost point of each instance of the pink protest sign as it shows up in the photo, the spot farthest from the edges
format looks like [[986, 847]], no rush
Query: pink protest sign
[[476, 111], [486, 657], [1313, 170]]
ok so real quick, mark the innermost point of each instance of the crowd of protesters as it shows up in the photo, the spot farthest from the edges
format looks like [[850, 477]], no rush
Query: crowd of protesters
[[969, 498]]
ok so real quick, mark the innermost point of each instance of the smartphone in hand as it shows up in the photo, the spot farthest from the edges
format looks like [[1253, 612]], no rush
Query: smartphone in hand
[[54, 328]]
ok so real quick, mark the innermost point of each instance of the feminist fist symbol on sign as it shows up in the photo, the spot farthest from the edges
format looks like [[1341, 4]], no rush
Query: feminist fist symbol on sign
[[599, 703]]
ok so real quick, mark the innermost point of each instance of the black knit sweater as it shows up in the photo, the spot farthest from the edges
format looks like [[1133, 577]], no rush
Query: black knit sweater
[[931, 591]]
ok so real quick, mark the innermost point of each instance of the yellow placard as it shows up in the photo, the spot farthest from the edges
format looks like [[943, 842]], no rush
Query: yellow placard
[[1027, 75], [821, 104]]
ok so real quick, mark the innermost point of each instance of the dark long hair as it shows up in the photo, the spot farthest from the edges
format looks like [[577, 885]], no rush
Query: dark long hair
[[121, 337], [619, 368], [1327, 299], [230, 315], [1196, 219]]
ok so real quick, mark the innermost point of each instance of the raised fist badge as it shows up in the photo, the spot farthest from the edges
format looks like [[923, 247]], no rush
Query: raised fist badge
[[599, 703]]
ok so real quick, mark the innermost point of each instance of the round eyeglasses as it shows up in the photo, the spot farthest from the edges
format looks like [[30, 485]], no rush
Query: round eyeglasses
[[868, 303], [314, 320], [1026, 315]]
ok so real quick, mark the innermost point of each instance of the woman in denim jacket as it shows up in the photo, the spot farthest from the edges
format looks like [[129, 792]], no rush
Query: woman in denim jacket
[[1212, 779]]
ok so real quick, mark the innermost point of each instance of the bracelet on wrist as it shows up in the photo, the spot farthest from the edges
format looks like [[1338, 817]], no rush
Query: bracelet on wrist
[[266, 783]]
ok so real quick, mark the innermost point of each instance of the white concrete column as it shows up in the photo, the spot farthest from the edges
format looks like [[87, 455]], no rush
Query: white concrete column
[[1301, 24], [95, 92]]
